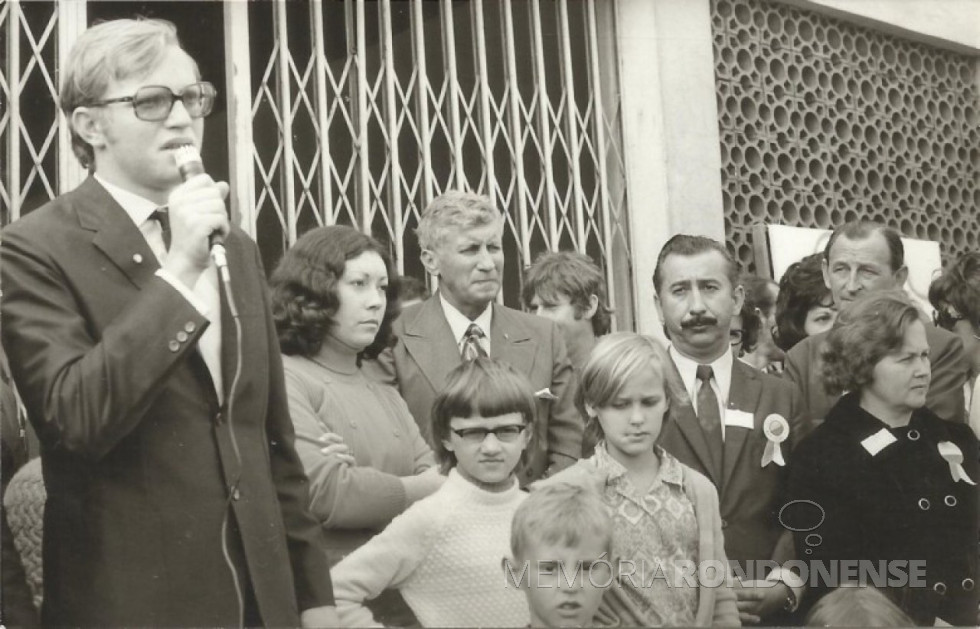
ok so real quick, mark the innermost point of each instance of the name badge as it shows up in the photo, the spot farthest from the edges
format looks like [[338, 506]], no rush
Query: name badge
[[740, 419], [878, 442]]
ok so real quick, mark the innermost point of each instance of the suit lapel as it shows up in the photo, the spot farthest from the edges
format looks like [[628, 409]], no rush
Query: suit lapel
[[115, 234], [686, 420], [510, 341], [743, 395], [429, 340]]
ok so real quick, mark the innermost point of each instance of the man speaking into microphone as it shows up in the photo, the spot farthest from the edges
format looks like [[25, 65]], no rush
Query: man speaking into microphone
[[175, 496]]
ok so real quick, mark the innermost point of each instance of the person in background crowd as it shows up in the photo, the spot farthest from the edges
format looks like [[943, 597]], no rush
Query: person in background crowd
[[444, 552], [956, 297], [856, 606], [561, 554], [760, 298], [461, 237], [805, 305], [893, 481], [175, 496], [365, 458], [569, 289], [665, 514], [734, 415], [744, 333], [410, 290], [859, 258]]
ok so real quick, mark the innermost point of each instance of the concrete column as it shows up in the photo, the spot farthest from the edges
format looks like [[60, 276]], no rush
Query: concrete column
[[670, 133]]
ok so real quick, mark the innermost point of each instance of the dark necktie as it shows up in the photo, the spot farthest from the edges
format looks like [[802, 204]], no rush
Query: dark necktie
[[471, 343], [710, 418], [163, 218]]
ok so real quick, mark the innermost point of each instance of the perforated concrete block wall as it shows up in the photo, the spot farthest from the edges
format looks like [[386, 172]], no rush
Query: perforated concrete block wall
[[824, 122]]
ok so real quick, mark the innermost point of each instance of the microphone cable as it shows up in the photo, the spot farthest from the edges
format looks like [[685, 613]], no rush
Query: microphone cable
[[233, 488], [189, 164]]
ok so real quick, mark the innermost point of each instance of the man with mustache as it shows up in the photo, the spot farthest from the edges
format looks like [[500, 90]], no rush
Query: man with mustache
[[721, 429], [862, 256], [461, 239]]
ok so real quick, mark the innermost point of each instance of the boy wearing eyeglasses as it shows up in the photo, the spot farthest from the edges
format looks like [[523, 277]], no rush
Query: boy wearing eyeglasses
[[444, 552], [174, 494]]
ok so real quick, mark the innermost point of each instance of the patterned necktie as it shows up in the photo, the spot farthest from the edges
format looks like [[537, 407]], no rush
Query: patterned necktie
[[163, 218], [710, 418], [471, 343]]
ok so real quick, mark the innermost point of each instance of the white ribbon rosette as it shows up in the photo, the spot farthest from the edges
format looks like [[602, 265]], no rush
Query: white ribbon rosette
[[776, 430], [954, 456]]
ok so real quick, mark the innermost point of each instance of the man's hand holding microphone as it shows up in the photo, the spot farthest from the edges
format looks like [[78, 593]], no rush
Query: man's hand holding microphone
[[196, 210]]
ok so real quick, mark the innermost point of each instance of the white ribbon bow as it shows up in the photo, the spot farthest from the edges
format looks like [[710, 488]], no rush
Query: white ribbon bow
[[954, 456], [776, 430]]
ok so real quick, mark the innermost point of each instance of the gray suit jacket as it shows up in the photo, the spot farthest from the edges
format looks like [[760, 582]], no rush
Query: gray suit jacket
[[949, 373], [426, 352]]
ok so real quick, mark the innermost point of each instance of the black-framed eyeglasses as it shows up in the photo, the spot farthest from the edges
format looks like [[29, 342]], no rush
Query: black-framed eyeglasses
[[507, 434], [735, 336], [153, 103], [944, 319]]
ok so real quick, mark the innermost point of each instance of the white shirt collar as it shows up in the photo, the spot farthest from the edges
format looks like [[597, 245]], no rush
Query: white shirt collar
[[138, 208], [722, 368], [458, 322]]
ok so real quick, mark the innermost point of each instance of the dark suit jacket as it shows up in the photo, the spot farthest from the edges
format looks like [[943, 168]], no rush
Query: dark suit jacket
[[426, 352], [137, 454], [949, 372], [899, 504], [750, 495]]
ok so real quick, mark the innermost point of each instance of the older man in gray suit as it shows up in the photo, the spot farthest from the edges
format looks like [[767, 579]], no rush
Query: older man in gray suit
[[461, 238]]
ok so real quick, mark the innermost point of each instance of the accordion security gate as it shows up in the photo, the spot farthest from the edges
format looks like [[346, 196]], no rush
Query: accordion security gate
[[361, 112]]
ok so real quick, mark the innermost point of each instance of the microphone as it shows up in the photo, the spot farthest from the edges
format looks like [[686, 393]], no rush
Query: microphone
[[189, 164]]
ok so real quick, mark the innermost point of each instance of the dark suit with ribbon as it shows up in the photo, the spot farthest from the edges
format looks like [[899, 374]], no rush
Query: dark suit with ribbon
[[426, 352], [750, 495], [889, 494], [139, 457]]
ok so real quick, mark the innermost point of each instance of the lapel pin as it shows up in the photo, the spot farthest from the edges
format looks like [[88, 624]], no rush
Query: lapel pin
[[137, 258]]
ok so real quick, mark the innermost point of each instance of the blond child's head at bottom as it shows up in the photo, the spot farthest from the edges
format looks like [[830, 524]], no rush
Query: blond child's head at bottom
[[561, 545]]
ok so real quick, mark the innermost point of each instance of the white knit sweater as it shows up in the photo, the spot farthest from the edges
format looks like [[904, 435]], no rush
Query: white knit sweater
[[444, 554]]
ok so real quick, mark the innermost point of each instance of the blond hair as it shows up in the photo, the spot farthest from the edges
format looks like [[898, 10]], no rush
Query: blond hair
[[856, 606], [560, 513], [111, 51], [616, 358], [454, 210]]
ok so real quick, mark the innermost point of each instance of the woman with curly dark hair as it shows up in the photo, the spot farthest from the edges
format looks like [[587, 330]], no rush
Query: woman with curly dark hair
[[884, 482], [360, 446], [804, 305], [956, 297]]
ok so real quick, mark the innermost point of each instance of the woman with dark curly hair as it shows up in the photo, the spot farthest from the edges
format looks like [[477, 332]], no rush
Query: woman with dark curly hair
[[956, 297], [805, 305], [333, 306], [883, 483]]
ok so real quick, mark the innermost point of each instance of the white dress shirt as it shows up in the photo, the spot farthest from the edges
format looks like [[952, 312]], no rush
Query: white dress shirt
[[721, 381], [203, 295], [459, 323]]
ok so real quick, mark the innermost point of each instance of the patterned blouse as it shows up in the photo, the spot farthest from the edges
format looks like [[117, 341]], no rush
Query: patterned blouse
[[658, 533]]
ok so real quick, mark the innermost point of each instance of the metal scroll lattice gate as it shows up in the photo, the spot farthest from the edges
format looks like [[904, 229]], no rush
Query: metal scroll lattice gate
[[360, 112]]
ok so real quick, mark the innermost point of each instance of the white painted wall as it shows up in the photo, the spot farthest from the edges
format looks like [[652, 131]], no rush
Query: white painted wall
[[951, 24], [670, 133]]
